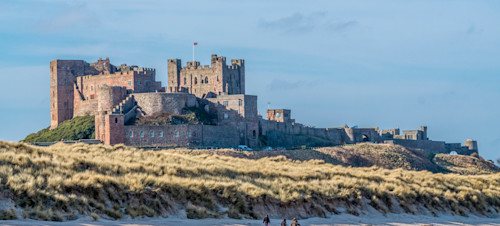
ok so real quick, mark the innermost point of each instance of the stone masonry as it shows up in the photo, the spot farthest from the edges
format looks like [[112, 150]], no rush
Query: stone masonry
[[118, 94]]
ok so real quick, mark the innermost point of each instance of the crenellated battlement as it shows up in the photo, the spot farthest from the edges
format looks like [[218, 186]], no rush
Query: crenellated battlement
[[207, 80]]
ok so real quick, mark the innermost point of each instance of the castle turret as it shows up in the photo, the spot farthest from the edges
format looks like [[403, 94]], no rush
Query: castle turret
[[239, 65], [424, 132], [471, 145], [110, 96], [174, 70]]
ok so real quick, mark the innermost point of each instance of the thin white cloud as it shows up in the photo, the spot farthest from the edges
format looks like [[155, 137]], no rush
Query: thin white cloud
[[300, 23], [70, 18]]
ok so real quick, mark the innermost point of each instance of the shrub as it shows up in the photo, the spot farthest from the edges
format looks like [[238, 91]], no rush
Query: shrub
[[9, 214], [195, 212], [82, 127]]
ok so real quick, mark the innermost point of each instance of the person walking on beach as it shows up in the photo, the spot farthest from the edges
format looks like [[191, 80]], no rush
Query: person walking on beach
[[266, 220], [295, 222], [283, 223]]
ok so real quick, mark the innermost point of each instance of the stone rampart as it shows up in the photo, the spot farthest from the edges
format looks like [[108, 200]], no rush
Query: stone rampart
[[181, 135], [152, 103], [427, 145]]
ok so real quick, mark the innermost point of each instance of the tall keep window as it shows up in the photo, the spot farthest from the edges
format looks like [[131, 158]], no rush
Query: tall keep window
[[185, 81], [152, 134], [206, 79], [226, 115], [131, 134], [142, 134], [195, 80], [129, 82], [176, 134], [160, 134], [240, 102], [189, 134]]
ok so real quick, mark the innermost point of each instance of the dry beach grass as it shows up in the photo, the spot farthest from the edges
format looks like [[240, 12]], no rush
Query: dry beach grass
[[62, 182]]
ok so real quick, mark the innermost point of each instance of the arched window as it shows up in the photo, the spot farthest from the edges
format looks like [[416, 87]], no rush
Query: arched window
[[184, 80], [206, 79], [195, 80], [254, 134], [116, 120]]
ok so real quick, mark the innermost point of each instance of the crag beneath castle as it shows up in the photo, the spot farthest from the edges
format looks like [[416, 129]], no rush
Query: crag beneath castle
[[202, 106]]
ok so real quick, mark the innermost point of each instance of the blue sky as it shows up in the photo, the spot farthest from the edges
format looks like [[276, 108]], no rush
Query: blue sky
[[366, 63]]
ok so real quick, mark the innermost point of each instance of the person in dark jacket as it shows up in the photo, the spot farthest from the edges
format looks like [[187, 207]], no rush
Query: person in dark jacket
[[295, 222], [283, 223], [266, 220]]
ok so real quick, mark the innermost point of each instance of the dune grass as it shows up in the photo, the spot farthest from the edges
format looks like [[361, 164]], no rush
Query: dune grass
[[62, 182]]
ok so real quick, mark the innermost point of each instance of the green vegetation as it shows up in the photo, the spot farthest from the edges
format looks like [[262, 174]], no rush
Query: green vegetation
[[77, 128], [63, 181]]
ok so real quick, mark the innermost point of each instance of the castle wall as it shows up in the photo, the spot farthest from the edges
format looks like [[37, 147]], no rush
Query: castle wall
[[364, 135], [85, 107], [427, 145], [279, 115], [244, 105], [181, 135], [134, 81], [152, 103]]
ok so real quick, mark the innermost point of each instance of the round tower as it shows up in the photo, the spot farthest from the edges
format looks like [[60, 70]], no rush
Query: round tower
[[109, 96], [471, 144]]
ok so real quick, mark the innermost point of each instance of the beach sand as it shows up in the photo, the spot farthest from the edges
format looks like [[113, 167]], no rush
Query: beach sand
[[342, 219]]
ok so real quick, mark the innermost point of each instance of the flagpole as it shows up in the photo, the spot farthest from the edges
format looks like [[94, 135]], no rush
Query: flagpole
[[193, 52]]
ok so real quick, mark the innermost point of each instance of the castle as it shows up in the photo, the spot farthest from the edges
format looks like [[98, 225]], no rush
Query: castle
[[202, 106]]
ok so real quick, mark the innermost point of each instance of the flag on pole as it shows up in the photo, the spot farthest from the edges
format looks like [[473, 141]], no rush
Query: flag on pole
[[195, 44]]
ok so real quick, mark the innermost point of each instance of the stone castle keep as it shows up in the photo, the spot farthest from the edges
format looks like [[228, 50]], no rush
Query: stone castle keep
[[202, 106]]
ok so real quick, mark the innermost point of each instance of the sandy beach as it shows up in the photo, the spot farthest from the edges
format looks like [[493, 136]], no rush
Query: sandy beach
[[342, 219]]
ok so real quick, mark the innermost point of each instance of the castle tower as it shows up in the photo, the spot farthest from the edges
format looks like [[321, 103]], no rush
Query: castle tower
[[207, 81], [424, 130], [472, 145], [239, 65], [62, 79], [110, 96], [174, 70]]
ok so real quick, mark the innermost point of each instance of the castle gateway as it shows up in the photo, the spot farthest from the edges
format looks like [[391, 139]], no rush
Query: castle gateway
[[202, 106]]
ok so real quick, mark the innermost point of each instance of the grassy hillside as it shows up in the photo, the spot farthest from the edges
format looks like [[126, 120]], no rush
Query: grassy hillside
[[387, 156], [62, 182], [465, 164], [77, 128]]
